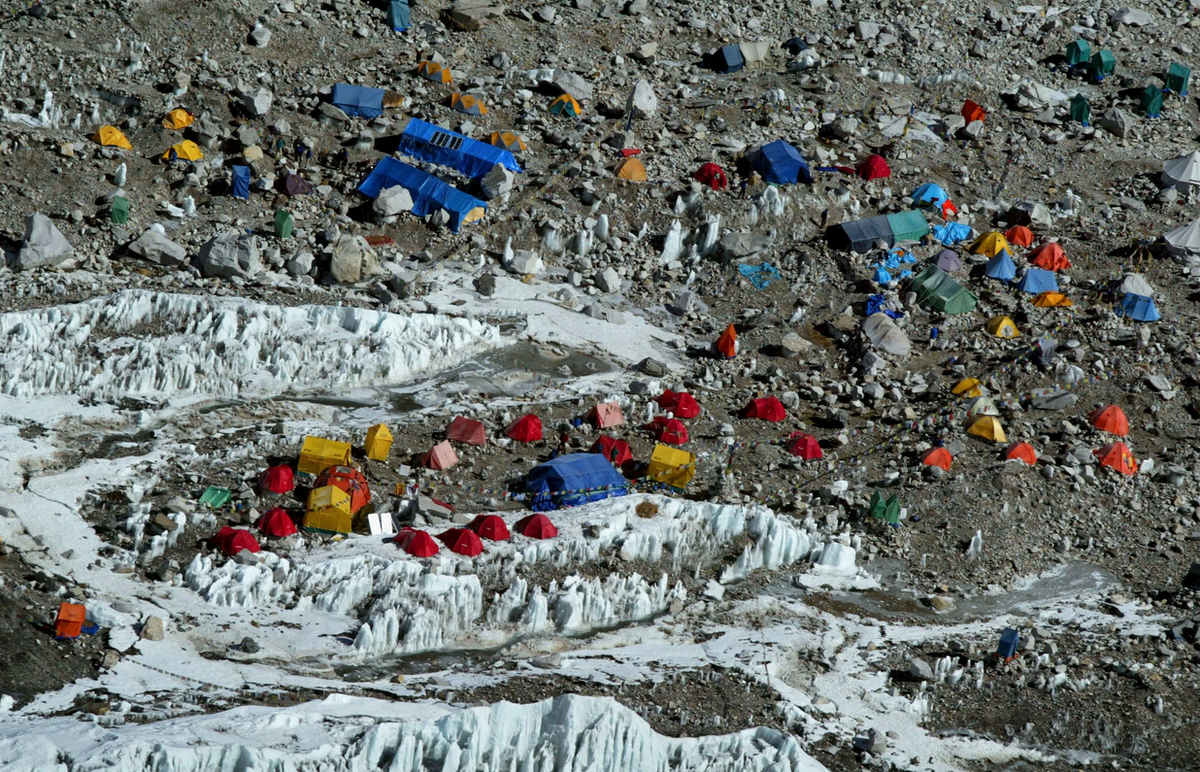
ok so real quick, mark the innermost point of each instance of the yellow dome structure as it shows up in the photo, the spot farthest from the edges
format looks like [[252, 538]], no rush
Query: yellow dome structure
[[1003, 327], [989, 244], [631, 169], [111, 136], [178, 119], [988, 427], [968, 388]]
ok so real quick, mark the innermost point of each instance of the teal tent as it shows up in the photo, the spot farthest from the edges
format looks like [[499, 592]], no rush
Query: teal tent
[[1081, 110], [1103, 64], [937, 289], [120, 210], [1152, 101], [284, 223], [1078, 52], [1177, 79], [908, 226]]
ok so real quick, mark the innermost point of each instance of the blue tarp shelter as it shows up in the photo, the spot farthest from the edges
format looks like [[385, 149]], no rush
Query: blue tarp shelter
[[1139, 308], [780, 163], [881, 276], [1037, 280], [357, 101], [398, 15], [448, 148], [571, 480], [952, 233], [728, 59], [428, 192], [1001, 267], [929, 193], [241, 182]]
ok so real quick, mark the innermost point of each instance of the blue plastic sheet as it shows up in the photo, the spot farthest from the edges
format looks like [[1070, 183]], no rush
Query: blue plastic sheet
[[952, 233], [760, 276]]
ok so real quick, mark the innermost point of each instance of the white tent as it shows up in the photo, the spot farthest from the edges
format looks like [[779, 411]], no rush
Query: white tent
[[1184, 240], [1183, 172], [885, 335], [982, 406]]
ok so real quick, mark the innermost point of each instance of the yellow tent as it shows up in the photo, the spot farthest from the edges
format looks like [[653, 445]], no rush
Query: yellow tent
[[434, 71], [328, 510], [1002, 327], [988, 427], [968, 387], [631, 169], [178, 119], [989, 244], [565, 104], [465, 103], [186, 150], [379, 442], [1051, 299], [509, 141], [671, 466], [318, 454], [111, 136]]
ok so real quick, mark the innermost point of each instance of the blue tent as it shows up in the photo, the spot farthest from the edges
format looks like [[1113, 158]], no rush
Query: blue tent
[[781, 163], [428, 192], [571, 480], [728, 59], [358, 101], [1037, 280], [1139, 308], [929, 193], [881, 276], [1001, 267], [447, 148], [952, 233], [241, 182], [398, 15]]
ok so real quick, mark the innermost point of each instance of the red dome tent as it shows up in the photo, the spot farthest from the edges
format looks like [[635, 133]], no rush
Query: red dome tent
[[462, 541], [536, 526], [1111, 419], [1021, 451], [276, 523], [804, 445], [490, 527], [1019, 235], [277, 479], [712, 175], [350, 480], [527, 428], [727, 343], [231, 541], [939, 457], [419, 544], [468, 431], [668, 430], [679, 404], [1050, 256], [766, 408], [1116, 455], [616, 451], [873, 167]]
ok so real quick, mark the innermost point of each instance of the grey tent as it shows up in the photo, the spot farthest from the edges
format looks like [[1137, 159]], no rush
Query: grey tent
[[937, 289], [883, 333], [862, 235], [948, 261]]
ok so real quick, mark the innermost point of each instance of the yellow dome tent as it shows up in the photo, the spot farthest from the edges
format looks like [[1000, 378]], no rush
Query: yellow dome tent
[[434, 71], [988, 427], [968, 387], [1051, 299], [631, 169], [989, 244], [509, 141], [186, 150], [465, 103], [178, 119], [111, 136], [671, 466], [1003, 327], [565, 104]]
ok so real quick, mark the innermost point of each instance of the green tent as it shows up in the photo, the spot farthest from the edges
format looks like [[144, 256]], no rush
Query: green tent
[[1177, 79], [939, 290], [908, 226], [888, 510], [215, 498], [1079, 52], [120, 210], [1103, 63], [284, 223], [1152, 101], [1080, 109]]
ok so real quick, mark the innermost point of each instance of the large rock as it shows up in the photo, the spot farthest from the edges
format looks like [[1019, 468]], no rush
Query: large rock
[[642, 102], [736, 246], [153, 629], [231, 254], [471, 14], [352, 260], [1116, 121], [496, 183], [300, 264], [392, 201], [44, 245], [258, 101], [570, 83], [1131, 17], [158, 249]]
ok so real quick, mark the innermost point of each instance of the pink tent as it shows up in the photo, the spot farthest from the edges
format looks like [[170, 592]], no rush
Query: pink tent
[[440, 456], [606, 414]]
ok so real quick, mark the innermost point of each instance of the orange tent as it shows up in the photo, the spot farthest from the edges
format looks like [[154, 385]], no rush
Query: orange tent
[[1050, 256], [1110, 419], [1019, 235], [348, 479], [1021, 451], [70, 621], [1115, 455], [727, 343], [939, 457], [972, 111]]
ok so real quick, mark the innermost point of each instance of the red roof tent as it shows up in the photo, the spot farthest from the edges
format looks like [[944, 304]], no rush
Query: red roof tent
[[766, 408], [1019, 235], [1050, 256], [972, 111], [277, 479], [605, 415], [468, 431], [527, 428], [873, 167], [680, 404], [419, 544], [616, 451], [231, 541], [490, 527], [804, 445], [712, 175], [727, 343], [1111, 419], [462, 541], [276, 523], [536, 526], [349, 480], [668, 430], [939, 457], [1116, 455], [1022, 451]]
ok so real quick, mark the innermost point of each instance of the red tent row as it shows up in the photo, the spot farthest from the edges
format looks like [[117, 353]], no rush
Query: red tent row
[[276, 523], [231, 541], [766, 408], [668, 430], [416, 543], [277, 479], [679, 404], [527, 428], [465, 430], [616, 451]]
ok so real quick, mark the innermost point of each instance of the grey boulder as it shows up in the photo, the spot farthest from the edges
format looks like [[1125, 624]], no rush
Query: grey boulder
[[231, 254], [44, 246], [158, 249]]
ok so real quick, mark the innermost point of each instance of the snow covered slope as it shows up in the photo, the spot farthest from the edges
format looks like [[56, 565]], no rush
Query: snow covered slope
[[139, 342]]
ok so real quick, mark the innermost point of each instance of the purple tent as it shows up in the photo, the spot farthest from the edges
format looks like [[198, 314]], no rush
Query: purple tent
[[948, 261], [294, 185]]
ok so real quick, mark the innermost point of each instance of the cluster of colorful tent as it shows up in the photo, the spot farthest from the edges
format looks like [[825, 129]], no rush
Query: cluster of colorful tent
[[468, 540]]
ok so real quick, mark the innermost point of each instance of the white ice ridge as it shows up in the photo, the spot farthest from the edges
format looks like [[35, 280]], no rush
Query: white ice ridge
[[569, 733], [144, 342]]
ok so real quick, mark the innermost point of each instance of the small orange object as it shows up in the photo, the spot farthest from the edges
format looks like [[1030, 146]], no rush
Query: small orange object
[[1116, 455], [1019, 235], [972, 111], [1110, 419], [727, 343], [939, 457], [1021, 451], [71, 617]]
